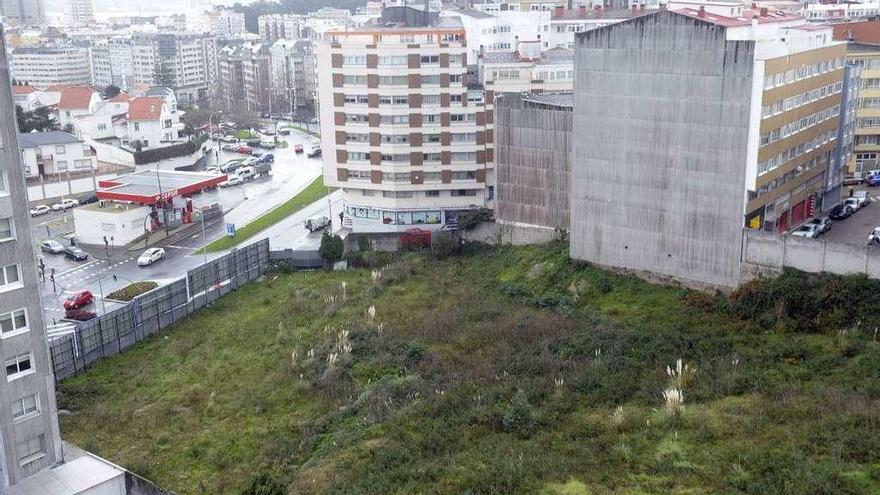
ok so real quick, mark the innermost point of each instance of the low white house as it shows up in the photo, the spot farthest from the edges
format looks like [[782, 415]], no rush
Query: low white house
[[121, 222], [54, 152], [152, 123], [75, 101]]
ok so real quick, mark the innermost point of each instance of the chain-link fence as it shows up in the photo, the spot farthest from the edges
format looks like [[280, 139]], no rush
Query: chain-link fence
[[160, 308]]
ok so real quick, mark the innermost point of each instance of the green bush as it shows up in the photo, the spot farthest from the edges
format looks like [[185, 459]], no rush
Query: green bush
[[173, 151], [131, 291], [332, 248]]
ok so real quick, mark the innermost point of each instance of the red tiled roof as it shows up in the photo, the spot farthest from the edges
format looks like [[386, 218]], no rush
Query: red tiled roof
[[763, 16], [145, 108], [862, 32], [121, 97], [22, 90], [74, 97]]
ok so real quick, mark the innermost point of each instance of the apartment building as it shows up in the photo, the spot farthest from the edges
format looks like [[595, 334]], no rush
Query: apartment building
[[23, 12], [79, 12], [46, 66], [225, 24], [230, 93], [863, 50], [691, 125], [528, 68], [293, 73], [30, 441], [276, 27], [256, 75], [401, 134]]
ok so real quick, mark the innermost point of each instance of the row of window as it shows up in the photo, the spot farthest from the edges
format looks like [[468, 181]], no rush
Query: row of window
[[555, 75], [869, 103], [400, 100], [456, 137], [405, 177], [865, 122], [870, 83], [870, 64], [426, 80], [801, 99], [428, 118], [799, 125], [457, 156], [791, 175], [796, 151], [399, 60], [802, 72]]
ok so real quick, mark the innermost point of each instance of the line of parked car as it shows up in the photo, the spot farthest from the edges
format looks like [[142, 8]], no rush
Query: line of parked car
[[818, 226], [64, 204]]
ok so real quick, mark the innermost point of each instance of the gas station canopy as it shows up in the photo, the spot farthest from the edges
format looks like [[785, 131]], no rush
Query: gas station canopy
[[156, 186]]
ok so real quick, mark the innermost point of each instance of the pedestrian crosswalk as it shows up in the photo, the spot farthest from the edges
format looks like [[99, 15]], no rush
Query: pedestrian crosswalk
[[92, 269]]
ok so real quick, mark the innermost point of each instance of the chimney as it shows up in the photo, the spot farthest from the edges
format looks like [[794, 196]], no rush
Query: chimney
[[634, 8], [482, 51], [582, 11], [763, 11], [702, 14], [642, 7]]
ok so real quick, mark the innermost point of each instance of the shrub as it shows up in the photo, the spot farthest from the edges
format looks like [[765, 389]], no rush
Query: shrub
[[445, 244], [332, 248], [131, 291], [518, 416], [265, 484], [173, 151]]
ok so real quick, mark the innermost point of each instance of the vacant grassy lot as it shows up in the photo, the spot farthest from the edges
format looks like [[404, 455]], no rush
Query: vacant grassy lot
[[506, 371], [313, 192], [132, 290]]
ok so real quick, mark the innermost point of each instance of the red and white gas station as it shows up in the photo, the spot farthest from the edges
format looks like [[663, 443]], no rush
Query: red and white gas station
[[133, 204]]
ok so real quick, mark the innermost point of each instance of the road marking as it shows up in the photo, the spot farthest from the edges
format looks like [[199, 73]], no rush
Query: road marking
[[77, 268], [182, 247]]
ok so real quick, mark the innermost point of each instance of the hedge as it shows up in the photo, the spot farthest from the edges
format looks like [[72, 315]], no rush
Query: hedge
[[173, 151]]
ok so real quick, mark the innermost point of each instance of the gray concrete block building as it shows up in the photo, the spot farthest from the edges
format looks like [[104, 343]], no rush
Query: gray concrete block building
[[29, 437]]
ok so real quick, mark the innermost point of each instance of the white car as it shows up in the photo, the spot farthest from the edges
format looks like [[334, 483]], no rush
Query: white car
[[232, 180], [245, 173], [65, 204], [852, 203], [151, 256], [863, 197], [810, 231], [40, 210], [213, 170]]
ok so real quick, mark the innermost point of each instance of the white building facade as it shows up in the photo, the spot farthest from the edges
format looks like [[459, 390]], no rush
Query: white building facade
[[47, 66]]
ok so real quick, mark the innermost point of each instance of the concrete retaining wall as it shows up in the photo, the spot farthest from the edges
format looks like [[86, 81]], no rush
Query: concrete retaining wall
[[767, 253], [111, 154], [506, 233]]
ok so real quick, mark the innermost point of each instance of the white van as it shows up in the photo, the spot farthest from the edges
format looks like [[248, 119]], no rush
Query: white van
[[246, 173]]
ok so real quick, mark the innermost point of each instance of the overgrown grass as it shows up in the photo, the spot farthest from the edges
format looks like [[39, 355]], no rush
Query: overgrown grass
[[507, 371], [313, 192], [132, 290]]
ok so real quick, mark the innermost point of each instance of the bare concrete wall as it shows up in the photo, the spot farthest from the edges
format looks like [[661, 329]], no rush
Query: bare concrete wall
[[532, 163], [659, 147], [767, 253]]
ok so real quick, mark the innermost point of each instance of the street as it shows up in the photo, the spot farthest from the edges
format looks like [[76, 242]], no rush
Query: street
[[112, 267], [855, 229]]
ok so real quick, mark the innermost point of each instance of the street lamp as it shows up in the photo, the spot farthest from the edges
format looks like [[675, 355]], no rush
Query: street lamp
[[210, 124]]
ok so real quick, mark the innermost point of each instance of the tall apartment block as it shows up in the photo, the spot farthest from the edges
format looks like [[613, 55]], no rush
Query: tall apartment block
[[401, 133], [690, 125], [863, 50], [29, 431], [23, 12]]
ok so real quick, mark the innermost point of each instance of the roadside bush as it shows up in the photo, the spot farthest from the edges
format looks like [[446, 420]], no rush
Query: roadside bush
[[445, 244], [265, 484], [332, 248], [131, 291]]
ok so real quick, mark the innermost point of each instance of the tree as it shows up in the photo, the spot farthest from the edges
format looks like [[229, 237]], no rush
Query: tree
[[332, 248], [264, 484], [162, 76], [37, 120], [111, 91]]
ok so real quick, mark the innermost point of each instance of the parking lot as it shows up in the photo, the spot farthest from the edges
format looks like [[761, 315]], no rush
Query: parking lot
[[855, 229]]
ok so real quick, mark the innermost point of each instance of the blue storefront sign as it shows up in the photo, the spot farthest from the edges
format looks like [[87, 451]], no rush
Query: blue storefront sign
[[230, 229]]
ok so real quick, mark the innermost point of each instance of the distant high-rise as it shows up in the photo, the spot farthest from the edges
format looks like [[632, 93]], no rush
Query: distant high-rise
[[79, 11], [29, 436], [23, 12]]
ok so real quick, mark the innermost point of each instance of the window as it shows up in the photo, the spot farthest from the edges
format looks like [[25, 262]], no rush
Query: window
[[13, 321], [394, 80], [430, 100], [430, 59], [393, 60], [468, 156], [359, 174], [167, 123], [356, 99], [455, 98], [432, 194], [60, 149], [455, 60], [466, 175], [357, 118], [3, 190], [394, 119], [9, 276], [361, 80], [137, 126], [431, 138], [102, 127], [463, 192], [18, 366], [491, 193], [61, 165], [355, 60], [455, 78], [432, 177], [6, 229], [25, 406], [31, 449], [82, 164], [430, 80]]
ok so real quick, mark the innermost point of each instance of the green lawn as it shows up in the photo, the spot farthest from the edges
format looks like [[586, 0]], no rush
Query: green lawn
[[304, 130], [505, 371], [313, 192], [246, 135]]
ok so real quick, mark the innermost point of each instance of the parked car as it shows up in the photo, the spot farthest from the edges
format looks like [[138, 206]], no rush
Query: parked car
[[80, 314], [268, 132], [65, 204], [863, 198], [230, 166], [151, 256], [284, 132], [246, 173], [228, 139], [87, 200], [315, 152], [810, 231], [874, 236], [40, 210], [824, 224], [267, 145], [853, 204], [75, 253], [246, 150], [232, 180], [213, 170], [51, 246], [840, 212], [874, 180], [298, 148], [317, 223], [230, 147], [253, 143], [78, 299]]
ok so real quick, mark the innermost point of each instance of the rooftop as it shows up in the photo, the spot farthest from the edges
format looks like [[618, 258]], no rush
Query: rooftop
[[552, 56], [560, 14], [71, 478], [150, 186], [74, 97], [145, 108], [862, 32], [763, 15], [565, 100], [34, 139]]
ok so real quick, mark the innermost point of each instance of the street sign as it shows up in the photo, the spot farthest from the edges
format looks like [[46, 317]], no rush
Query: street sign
[[230, 229]]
